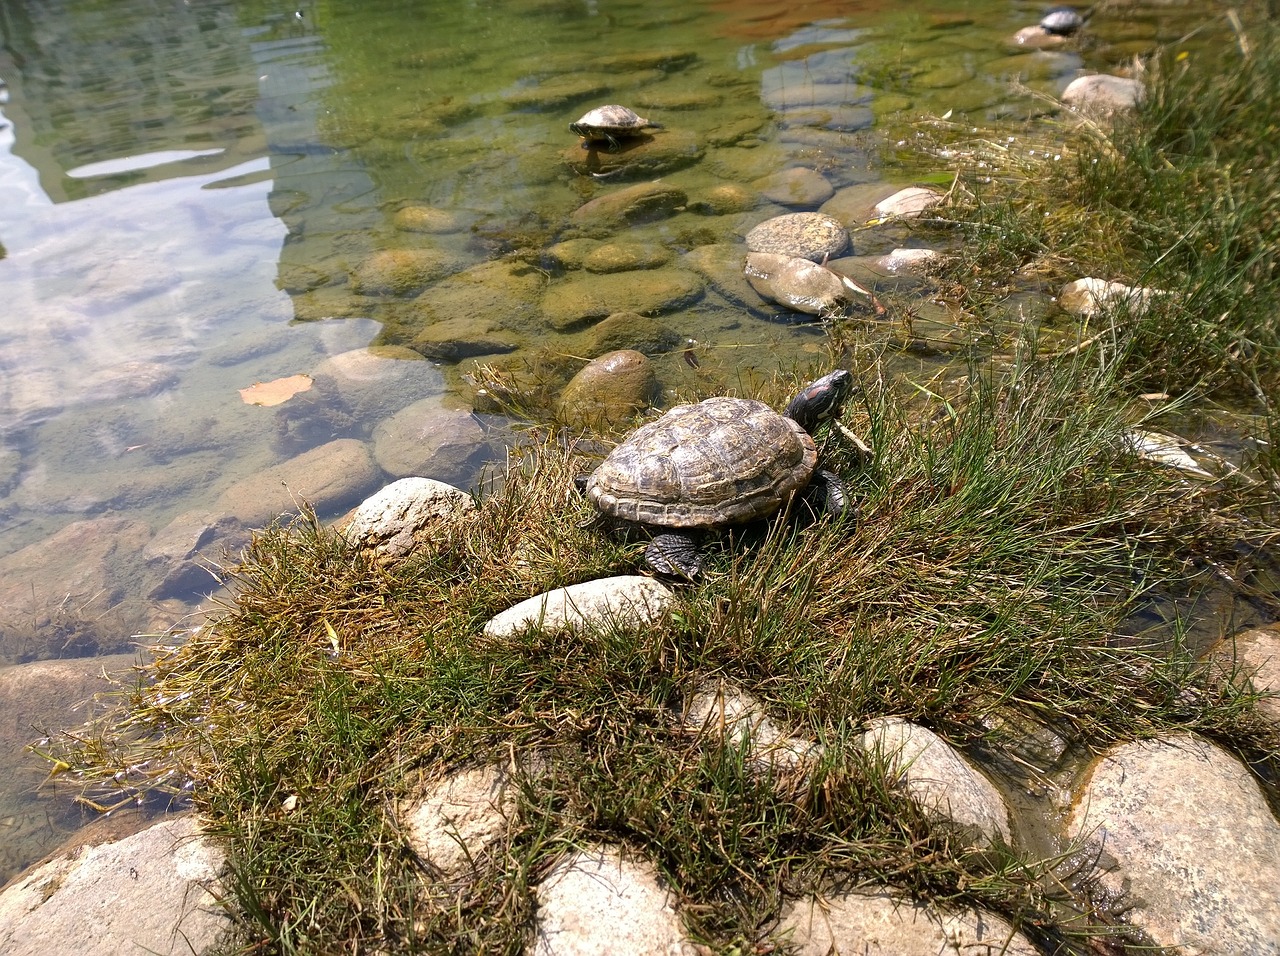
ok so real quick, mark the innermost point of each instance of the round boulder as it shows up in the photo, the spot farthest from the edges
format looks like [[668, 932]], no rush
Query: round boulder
[[609, 390], [394, 521]]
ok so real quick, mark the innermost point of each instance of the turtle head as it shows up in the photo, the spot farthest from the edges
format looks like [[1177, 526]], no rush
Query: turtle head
[[821, 400]]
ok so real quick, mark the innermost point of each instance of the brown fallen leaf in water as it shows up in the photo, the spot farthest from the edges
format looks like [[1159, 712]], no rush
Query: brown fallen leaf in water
[[273, 393]]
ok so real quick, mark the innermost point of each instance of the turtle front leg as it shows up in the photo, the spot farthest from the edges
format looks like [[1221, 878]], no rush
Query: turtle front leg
[[675, 555], [827, 495]]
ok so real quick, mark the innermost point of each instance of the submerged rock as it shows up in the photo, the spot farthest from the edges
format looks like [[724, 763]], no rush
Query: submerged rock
[[796, 187], [431, 219], [401, 271], [599, 900], [331, 478], [1186, 837], [806, 235], [609, 390], [579, 297], [627, 600], [428, 441], [643, 202], [630, 330], [647, 155]]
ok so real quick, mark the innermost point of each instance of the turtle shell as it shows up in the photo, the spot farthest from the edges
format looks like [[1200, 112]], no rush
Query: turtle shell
[[609, 119], [720, 462]]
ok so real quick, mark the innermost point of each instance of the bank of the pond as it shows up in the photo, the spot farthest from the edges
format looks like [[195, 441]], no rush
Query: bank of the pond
[[949, 716]]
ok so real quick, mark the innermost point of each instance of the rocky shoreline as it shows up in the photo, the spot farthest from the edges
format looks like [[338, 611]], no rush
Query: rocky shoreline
[[1173, 832]]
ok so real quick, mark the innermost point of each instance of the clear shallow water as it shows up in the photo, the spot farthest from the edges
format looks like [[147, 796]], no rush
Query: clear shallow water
[[190, 194]]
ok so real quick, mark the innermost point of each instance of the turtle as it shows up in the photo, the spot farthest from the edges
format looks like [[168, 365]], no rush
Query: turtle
[[610, 123], [720, 462], [1061, 21]]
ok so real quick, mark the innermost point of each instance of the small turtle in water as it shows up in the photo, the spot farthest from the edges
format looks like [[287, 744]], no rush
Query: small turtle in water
[[1061, 21], [721, 462], [610, 124]]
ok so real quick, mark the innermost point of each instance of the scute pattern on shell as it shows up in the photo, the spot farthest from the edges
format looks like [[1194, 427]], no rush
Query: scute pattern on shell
[[722, 461], [611, 118]]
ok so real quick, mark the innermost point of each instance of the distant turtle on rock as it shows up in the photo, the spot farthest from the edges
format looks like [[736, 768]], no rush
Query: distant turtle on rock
[[720, 462], [1061, 21], [610, 124]]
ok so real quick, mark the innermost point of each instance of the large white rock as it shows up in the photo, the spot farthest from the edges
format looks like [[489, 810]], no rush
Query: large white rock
[[624, 600], [909, 203], [597, 902], [153, 892], [1090, 296], [1195, 847], [879, 923], [1101, 93], [938, 778], [392, 522]]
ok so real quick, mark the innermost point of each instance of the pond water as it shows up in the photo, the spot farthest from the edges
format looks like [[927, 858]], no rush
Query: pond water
[[199, 197]]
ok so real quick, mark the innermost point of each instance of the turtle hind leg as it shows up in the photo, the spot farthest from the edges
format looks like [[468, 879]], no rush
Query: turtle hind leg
[[827, 495], [675, 555]]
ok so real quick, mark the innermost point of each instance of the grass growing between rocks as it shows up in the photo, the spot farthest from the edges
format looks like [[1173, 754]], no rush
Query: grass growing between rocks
[[1181, 196], [1005, 533]]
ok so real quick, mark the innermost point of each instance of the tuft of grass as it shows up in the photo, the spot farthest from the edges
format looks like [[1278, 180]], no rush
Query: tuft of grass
[[1182, 196]]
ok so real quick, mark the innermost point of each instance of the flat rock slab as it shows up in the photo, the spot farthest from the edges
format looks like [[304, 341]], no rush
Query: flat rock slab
[[597, 901], [626, 600], [806, 235], [146, 894], [939, 779], [1194, 844], [878, 923], [331, 477]]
